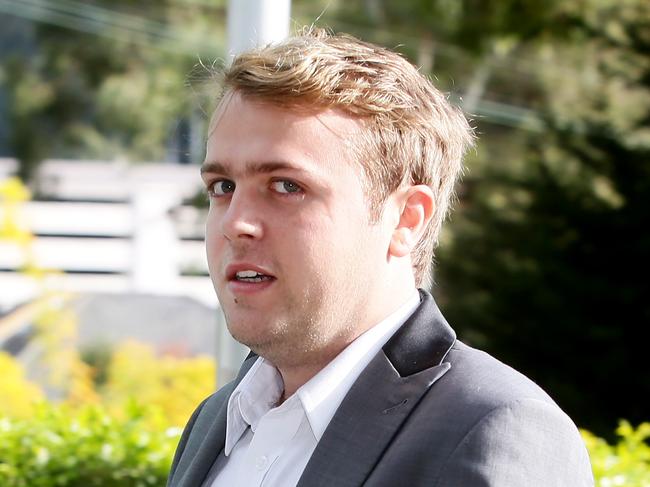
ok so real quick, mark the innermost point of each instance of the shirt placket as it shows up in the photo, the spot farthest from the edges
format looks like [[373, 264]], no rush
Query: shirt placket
[[272, 435]]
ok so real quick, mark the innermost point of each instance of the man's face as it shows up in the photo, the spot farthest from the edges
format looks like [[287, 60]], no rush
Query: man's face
[[293, 256]]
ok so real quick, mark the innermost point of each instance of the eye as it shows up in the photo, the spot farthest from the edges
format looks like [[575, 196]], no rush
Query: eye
[[221, 187], [284, 186]]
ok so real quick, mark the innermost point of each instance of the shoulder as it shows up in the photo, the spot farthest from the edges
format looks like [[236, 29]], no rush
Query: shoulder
[[475, 386], [506, 429], [482, 377], [521, 442]]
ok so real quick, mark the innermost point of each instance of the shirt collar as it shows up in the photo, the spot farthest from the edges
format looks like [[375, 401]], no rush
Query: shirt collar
[[254, 396], [261, 388]]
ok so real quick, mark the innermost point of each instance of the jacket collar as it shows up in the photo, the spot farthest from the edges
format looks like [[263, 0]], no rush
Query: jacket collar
[[423, 341]]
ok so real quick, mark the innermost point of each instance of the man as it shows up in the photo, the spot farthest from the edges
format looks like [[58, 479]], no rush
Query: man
[[330, 165]]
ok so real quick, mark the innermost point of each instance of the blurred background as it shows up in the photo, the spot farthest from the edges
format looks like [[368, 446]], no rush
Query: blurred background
[[103, 112]]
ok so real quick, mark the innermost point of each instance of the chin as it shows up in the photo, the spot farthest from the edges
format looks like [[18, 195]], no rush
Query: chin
[[252, 333]]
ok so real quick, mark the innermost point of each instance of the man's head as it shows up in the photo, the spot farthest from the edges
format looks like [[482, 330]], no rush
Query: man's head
[[329, 165], [412, 135]]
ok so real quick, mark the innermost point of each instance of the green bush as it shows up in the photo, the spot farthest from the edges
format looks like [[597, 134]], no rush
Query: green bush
[[89, 447], [86, 447], [626, 463]]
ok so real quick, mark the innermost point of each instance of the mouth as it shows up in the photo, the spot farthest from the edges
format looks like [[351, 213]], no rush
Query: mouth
[[247, 278], [251, 276]]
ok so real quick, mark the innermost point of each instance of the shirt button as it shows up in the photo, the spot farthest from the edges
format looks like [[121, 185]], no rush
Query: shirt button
[[261, 463]]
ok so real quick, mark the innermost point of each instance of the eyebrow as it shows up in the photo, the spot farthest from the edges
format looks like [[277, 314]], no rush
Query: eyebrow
[[250, 169]]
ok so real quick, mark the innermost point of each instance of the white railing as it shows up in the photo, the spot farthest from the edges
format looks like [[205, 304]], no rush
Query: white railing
[[139, 239]]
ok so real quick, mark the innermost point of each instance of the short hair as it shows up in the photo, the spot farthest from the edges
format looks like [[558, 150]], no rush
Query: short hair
[[412, 134]]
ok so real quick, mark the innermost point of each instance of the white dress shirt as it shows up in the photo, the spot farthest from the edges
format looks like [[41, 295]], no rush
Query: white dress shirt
[[269, 446]]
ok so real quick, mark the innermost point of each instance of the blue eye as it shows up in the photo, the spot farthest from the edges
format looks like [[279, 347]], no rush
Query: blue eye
[[221, 187], [286, 187]]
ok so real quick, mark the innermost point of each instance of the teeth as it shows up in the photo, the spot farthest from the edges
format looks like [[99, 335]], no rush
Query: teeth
[[247, 274], [252, 279]]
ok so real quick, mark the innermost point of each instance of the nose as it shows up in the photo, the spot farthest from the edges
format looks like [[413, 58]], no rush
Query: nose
[[242, 218]]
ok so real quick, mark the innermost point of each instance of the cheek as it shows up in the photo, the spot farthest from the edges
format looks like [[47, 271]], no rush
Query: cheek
[[327, 242], [211, 226], [213, 239], [305, 243]]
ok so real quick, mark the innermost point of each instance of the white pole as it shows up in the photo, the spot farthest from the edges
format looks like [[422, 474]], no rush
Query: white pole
[[251, 23], [155, 245]]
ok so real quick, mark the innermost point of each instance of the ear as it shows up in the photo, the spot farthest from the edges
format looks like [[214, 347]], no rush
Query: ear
[[416, 213]]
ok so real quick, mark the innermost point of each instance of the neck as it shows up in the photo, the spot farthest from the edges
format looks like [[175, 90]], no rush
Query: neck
[[295, 377], [295, 373]]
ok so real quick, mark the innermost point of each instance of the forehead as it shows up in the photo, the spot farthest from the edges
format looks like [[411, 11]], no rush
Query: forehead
[[245, 130]]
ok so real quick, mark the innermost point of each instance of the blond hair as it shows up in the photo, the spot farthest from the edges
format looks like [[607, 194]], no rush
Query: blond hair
[[413, 134]]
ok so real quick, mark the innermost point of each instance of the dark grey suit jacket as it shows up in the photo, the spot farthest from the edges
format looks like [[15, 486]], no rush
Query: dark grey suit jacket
[[427, 411]]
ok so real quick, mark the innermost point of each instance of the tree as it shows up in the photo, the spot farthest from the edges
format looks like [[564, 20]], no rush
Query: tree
[[107, 79], [545, 265]]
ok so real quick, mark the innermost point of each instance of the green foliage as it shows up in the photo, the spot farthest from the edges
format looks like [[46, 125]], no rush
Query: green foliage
[[114, 86], [88, 447], [100, 437], [467, 23], [542, 265], [625, 463]]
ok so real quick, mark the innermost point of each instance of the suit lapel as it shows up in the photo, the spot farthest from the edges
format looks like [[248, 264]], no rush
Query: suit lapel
[[381, 400]]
